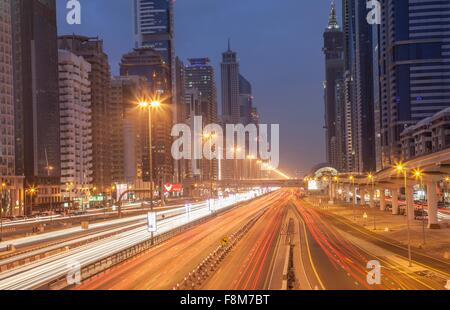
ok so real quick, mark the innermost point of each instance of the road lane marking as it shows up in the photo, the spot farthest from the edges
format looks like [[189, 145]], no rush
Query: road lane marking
[[310, 258]]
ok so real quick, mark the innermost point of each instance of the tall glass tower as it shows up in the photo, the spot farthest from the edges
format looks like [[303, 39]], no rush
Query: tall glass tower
[[414, 41], [153, 27]]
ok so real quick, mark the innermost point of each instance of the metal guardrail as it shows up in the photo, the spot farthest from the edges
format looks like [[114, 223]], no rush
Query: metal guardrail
[[195, 279]]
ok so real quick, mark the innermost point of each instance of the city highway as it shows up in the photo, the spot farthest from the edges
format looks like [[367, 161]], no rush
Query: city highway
[[166, 265], [328, 254], [42, 272], [317, 249]]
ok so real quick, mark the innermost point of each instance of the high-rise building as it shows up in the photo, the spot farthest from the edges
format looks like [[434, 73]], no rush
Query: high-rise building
[[7, 145], [75, 124], [91, 49], [180, 112], [193, 168], [146, 62], [358, 50], [127, 135], [35, 55], [246, 100], [230, 87], [334, 66], [13, 190], [199, 75], [154, 27], [414, 62]]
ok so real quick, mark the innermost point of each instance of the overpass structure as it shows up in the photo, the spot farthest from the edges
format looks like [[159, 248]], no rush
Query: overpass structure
[[430, 173]]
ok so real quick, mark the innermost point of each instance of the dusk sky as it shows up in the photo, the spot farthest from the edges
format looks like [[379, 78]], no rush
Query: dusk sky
[[279, 45]]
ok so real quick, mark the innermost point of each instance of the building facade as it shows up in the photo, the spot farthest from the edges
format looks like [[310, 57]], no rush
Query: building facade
[[76, 126], [91, 49], [334, 69], [414, 58], [126, 146], [230, 87], [200, 76], [11, 186], [35, 56], [430, 135], [148, 63], [358, 50]]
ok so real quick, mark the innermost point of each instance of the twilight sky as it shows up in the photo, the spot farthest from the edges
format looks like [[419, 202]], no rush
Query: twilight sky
[[279, 45]]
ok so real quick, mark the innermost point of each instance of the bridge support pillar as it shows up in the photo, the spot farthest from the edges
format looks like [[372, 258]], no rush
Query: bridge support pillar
[[394, 193], [382, 199], [432, 199], [409, 192], [348, 190], [331, 193]]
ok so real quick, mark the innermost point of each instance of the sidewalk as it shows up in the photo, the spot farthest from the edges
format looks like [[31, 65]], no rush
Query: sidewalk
[[437, 241]]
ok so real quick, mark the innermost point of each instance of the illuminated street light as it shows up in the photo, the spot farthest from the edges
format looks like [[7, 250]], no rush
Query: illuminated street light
[[149, 106], [400, 168]]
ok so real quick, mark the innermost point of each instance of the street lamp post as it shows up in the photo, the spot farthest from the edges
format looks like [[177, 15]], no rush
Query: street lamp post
[[1, 210], [352, 179], [402, 169], [372, 195], [31, 191], [419, 176], [210, 137], [149, 106]]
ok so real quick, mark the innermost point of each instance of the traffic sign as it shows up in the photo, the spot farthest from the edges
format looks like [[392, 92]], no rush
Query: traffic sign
[[151, 222]]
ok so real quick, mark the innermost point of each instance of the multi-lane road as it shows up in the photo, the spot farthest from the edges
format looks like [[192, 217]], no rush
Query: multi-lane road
[[292, 245], [273, 242], [47, 269]]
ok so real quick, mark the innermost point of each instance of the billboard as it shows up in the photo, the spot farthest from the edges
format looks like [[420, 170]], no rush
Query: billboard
[[313, 185]]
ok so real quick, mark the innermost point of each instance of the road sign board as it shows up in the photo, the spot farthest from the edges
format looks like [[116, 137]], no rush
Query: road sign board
[[151, 222]]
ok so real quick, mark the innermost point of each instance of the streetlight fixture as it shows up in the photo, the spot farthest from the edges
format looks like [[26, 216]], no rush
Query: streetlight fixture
[[400, 168], [150, 105]]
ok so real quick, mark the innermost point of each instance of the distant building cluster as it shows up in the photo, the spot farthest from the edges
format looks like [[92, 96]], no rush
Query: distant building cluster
[[383, 78], [71, 133]]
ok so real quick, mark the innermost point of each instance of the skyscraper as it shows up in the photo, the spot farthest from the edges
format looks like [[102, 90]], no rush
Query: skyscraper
[[358, 49], [7, 145], [35, 55], [127, 133], [230, 87], [154, 27], [199, 74], [91, 49], [12, 191], [146, 62], [414, 51], [334, 66], [245, 100], [75, 124]]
